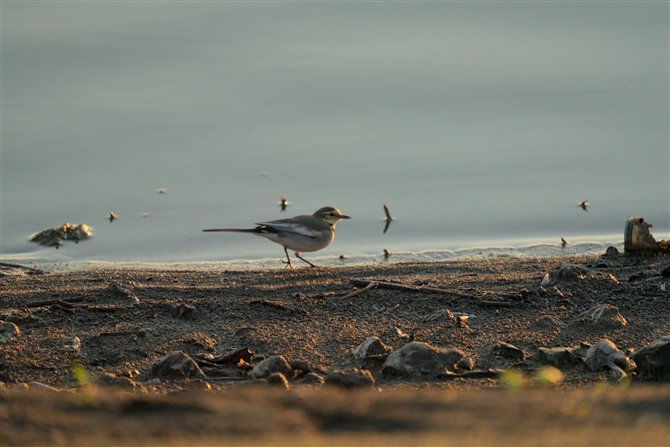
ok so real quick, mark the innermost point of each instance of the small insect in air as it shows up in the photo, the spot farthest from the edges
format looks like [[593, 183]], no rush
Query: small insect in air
[[162, 191], [563, 242], [386, 254], [584, 205], [111, 216], [283, 203], [388, 219]]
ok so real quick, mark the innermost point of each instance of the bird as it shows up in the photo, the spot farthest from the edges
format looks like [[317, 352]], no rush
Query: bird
[[585, 205], [304, 233]]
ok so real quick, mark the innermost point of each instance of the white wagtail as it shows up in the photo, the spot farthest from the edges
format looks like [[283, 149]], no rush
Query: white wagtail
[[300, 233]]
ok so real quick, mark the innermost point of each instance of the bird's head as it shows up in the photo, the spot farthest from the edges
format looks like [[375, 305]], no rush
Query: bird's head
[[331, 215]]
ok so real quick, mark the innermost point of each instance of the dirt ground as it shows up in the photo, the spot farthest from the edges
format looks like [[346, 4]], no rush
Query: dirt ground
[[302, 315]]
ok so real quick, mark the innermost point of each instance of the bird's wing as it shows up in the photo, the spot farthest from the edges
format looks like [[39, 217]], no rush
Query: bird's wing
[[295, 225]]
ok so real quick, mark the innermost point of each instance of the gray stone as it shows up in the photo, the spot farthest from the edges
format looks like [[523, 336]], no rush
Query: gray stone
[[278, 379], [563, 356], [176, 365], [183, 311], [312, 379], [509, 351], [269, 366], [607, 316], [8, 331], [370, 354], [605, 355], [420, 359], [350, 378], [653, 360], [564, 273], [112, 380]]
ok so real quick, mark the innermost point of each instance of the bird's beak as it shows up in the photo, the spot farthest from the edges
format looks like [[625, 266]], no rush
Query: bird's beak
[[344, 217]]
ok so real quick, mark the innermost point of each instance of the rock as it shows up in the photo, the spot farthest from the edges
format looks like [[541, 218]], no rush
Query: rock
[[20, 317], [183, 311], [465, 364], [277, 379], [653, 360], [350, 378], [607, 316], [121, 290], [604, 355], [611, 252], [564, 273], [420, 359], [8, 331], [112, 380], [312, 379], [72, 344], [563, 356], [370, 354], [509, 351], [176, 365], [67, 231], [196, 385], [269, 366]]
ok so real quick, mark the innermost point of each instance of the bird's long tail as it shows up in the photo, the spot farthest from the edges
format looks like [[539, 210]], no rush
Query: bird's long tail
[[235, 230]]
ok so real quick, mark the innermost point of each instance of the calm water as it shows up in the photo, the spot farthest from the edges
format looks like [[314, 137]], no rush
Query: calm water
[[481, 125]]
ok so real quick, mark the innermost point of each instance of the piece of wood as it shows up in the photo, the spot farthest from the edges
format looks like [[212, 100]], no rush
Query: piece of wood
[[397, 286], [372, 285], [56, 301], [477, 374], [496, 303]]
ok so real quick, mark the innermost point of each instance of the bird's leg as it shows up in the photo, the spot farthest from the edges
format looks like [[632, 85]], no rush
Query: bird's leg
[[288, 259], [297, 255]]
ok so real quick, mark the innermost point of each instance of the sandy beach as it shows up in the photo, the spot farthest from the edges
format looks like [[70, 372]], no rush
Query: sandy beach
[[118, 323]]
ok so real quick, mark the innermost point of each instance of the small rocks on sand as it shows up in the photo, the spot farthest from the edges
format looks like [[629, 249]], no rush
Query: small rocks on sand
[[350, 378], [112, 380], [606, 315], [564, 273], [176, 365], [8, 331], [605, 355], [509, 351], [270, 366], [563, 356], [653, 360], [420, 359]]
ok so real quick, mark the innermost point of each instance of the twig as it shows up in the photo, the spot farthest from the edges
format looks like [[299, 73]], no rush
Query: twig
[[391, 285], [496, 303], [131, 332], [372, 285], [50, 302]]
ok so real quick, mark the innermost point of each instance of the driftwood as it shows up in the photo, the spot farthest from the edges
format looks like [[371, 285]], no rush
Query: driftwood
[[495, 303], [372, 285], [62, 302], [104, 308], [392, 285]]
